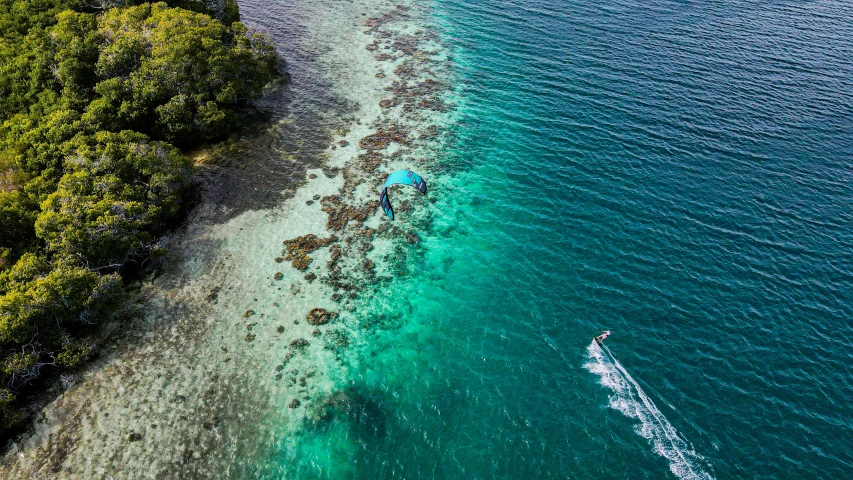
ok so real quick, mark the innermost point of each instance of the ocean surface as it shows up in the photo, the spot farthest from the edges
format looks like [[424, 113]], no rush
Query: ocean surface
[[680, 173]]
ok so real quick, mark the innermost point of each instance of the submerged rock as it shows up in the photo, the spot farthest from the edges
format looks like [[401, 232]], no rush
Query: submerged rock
[[214, 294], [135, 437], [340, 213], [370, 161], [294, 404], [384, 136], [319, 316], [249, 313], [278, 276], [337, 340], [299, 248]]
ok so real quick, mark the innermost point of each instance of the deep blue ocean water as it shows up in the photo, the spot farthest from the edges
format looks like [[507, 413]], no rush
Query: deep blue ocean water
[[678, 172]]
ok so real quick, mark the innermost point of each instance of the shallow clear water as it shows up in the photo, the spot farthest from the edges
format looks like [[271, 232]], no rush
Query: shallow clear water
[[678, 173]]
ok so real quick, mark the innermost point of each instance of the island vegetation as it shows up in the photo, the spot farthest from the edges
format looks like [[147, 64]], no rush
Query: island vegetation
[[97, 102]]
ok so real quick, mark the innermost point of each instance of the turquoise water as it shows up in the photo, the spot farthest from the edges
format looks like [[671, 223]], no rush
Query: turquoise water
[[679, 173]]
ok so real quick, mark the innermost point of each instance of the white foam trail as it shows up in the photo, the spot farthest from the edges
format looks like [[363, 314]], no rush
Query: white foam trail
[[633, 402]]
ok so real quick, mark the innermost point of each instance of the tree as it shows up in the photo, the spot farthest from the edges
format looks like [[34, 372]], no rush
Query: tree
[[174, 74], [39, 303], [17, 233], [76, 39], [9, 415], [118, 186], [36, 148]]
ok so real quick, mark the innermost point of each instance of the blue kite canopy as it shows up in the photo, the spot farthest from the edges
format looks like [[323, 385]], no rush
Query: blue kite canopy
[[399, 177]]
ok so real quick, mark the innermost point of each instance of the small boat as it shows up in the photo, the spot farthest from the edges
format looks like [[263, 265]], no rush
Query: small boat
[[600, 338]]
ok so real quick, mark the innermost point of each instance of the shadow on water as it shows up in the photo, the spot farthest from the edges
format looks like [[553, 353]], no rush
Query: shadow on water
[[264, 164], [364, 412], [341, 425]]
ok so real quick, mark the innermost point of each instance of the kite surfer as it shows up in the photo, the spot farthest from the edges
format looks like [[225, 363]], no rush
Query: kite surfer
[[600, 338]]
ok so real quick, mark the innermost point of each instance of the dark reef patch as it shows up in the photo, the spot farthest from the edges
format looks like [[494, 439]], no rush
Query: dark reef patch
[[298, 249], [364, 412]]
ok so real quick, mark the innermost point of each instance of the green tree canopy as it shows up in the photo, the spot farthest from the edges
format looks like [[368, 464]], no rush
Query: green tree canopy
[[174, 74], [116, 187]]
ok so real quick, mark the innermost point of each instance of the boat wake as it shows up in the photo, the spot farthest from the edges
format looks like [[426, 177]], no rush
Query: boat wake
[[633, 402]]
